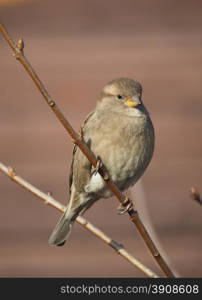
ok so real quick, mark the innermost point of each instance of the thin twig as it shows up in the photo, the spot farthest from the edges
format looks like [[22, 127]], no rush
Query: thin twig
[[195, 195], [19, 54], [49, 200]]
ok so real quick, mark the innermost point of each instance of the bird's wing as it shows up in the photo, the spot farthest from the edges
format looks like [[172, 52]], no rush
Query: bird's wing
[[71, 169], [80, 166]]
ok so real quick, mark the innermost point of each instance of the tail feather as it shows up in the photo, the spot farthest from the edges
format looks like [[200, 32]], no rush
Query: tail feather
[[77, 205], [61, 231]]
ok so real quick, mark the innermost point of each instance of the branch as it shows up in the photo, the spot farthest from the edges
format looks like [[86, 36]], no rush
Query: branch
[[195, 195], [49, 200], [19, 54]]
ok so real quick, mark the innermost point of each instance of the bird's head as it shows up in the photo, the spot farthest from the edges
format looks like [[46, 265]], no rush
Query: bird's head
[[121, 92]]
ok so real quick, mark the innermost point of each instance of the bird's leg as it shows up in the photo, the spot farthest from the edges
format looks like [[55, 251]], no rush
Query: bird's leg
[[125, 206], [98, 166]]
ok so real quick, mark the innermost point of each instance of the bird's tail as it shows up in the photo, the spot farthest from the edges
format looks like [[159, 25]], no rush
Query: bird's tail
[[62, 230]]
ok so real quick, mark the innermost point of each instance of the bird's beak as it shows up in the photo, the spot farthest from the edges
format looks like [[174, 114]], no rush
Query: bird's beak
[[133, 101]]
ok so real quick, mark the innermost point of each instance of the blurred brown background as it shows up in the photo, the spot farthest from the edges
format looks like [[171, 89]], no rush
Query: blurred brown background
[[76, 47]]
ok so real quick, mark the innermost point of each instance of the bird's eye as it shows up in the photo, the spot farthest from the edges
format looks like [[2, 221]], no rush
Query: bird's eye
[[120, 97]]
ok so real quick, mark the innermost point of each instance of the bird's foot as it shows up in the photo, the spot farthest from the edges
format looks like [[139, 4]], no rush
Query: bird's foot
[[125, 206], [98, 166]]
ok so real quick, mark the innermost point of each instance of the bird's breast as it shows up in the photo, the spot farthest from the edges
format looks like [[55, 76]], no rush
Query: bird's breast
[[125, 147]]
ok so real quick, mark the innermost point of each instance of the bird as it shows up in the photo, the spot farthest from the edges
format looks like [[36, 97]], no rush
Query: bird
[[119, 131]]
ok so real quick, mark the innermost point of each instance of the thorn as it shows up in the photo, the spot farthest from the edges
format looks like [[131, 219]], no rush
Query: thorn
[[11, 172], [156, 254], [52, 103], [46, 201], [20, 45]]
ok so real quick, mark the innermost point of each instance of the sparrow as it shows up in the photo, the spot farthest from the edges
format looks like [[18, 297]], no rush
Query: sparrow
[[120, 132]]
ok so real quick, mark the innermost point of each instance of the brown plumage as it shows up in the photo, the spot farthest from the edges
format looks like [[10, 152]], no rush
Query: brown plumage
[[120, 132]]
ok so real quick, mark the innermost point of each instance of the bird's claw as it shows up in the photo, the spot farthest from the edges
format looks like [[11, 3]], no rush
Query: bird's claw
[[98, 166], [125, 206]]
